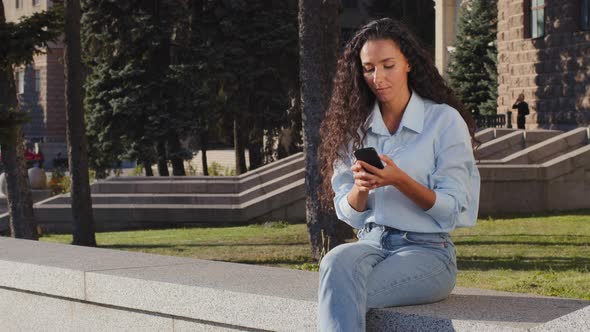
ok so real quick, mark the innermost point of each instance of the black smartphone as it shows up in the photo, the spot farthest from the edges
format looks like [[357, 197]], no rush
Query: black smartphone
[[370, 156]]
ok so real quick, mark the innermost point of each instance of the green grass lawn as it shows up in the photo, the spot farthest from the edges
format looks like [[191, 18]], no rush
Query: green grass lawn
[[545, 255]]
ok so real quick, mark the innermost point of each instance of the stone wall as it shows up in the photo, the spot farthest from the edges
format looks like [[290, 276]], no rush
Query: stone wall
[[551, 70]]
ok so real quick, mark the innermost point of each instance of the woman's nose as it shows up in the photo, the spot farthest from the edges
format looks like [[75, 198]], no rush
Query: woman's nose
[[377, 76]]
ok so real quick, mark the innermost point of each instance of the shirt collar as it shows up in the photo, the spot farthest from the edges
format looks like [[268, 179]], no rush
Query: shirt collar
[[412, 119]]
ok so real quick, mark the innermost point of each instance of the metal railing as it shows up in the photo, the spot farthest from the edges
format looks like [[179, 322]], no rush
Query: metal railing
[[490, 121]]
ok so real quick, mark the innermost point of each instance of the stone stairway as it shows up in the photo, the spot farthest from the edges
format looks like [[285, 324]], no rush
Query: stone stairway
[[273, 192]]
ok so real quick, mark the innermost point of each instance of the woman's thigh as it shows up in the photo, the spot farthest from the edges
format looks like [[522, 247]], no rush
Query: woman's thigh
[[411, 275], [357, 258]]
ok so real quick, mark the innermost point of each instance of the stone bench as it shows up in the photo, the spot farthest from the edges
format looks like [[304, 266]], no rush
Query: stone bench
[[50, 287]]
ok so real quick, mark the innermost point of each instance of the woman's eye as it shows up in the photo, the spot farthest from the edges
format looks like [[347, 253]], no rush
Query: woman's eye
[[368, 70], [389, 67]]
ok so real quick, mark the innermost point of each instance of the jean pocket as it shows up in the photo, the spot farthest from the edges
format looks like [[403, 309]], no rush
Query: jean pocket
[[440, 240]]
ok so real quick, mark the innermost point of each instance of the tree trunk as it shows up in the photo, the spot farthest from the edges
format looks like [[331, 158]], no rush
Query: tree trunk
[[162, 160], [83, 222], [147, 166], [239, 148], [318, 48], [204, 141], [255, 146], [20, 200], [175, 155]]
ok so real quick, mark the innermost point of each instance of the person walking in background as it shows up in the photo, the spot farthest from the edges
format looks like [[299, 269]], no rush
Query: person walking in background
[[523, 111]]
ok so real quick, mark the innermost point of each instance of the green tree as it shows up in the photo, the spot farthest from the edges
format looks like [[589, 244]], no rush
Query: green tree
[[18, 43], [472, 69], [246, 59], [128, 46]]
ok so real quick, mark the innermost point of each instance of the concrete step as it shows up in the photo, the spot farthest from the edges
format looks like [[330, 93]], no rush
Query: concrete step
[[489, 134], [180, 199], [511, 143], [547, 149], [199, 184], [284, 203]]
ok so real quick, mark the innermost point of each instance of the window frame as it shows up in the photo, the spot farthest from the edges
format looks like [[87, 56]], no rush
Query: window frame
[[18, 4], [536, 7], [20, 82], [584, 18], [37, 80]]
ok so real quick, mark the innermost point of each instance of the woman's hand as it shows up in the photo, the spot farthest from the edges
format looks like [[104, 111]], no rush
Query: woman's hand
[[389, 175], [361, 182]]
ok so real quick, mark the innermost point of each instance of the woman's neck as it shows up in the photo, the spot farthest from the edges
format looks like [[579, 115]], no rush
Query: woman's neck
[[392, 111]]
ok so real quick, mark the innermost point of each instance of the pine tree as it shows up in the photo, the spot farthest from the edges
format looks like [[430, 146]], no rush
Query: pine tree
[[472, 69], [128, 49]]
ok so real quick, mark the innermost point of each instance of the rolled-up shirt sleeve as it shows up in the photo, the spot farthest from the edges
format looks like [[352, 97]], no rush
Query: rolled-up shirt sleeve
[[342, 183], [452, 178]]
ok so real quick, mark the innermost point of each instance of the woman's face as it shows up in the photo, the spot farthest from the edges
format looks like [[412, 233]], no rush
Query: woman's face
[[385, 69]]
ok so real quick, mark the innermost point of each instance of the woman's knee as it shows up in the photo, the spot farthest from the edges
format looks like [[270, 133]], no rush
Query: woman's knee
[[335, 258]]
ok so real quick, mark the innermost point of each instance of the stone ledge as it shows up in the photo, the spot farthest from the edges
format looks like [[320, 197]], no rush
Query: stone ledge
[[223, 296]]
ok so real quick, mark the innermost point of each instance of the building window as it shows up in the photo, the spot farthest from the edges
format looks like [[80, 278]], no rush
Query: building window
[[19, 4], [585, 14], [537, 18], [36, 2], [20, 82], [37, 80]]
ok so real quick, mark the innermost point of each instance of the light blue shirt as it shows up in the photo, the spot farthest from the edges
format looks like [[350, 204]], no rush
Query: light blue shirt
[[432, 145]]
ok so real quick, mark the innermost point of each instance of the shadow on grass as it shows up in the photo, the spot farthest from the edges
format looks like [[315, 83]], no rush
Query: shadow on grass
[[483, 263], [275, 261], [523, 239], [195, 245], [536, 243], [514, 215]]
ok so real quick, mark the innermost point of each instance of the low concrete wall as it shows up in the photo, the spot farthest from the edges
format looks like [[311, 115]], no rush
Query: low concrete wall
[[550, 148], [38, 195], [512, 143], [52, 287], [489, 134], [562, 183]]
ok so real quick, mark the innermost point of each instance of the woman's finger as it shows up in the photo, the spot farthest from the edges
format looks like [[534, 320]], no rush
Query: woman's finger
[[387, 160], [369, 168]]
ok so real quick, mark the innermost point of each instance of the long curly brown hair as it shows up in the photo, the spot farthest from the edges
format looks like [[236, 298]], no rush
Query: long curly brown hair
[[352, 100]]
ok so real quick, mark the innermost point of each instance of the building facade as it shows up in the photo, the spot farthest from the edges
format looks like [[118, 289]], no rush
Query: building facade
[[40, 87], [544, 52]]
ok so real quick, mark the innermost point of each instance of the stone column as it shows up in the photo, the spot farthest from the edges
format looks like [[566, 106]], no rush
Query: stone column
[[446, 23]]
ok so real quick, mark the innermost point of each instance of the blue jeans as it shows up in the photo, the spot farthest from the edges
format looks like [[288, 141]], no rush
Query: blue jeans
[[385, 268]]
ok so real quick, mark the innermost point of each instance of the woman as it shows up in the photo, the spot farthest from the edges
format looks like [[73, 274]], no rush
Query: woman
[[388, 95]]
